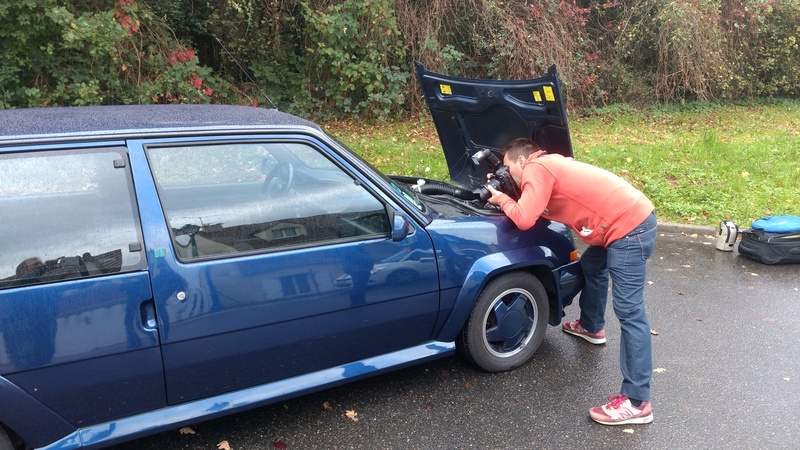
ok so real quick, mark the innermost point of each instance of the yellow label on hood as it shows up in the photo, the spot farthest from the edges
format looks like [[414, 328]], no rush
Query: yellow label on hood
[[548, 93]]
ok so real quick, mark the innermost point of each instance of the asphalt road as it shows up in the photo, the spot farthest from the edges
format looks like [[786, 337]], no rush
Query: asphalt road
[[726, 375]]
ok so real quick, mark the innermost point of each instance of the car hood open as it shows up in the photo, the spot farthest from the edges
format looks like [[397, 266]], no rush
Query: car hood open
[[472, 115]]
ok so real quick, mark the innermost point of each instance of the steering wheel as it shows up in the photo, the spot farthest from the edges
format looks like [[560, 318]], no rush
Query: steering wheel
[[278, 180]]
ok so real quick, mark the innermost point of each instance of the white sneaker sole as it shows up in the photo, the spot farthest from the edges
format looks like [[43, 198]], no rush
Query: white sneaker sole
[[632, 421]]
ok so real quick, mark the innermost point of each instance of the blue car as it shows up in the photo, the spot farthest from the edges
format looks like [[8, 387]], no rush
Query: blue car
[[166, 264]]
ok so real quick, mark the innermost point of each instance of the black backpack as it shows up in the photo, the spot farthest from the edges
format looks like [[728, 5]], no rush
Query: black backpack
[[772, 240]]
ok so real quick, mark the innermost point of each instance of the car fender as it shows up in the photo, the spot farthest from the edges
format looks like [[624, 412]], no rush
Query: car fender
[[23, 414], [480, 274]]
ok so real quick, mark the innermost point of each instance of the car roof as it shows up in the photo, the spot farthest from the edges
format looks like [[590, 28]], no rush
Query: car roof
[[27, 125]]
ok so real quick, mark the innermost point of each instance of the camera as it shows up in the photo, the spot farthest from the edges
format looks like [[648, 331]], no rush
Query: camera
[[501, 179]]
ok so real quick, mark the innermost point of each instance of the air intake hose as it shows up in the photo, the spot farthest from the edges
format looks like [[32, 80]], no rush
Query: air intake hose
[[434, 188]]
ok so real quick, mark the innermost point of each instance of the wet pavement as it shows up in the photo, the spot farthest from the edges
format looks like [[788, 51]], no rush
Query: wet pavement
[[726, 362]]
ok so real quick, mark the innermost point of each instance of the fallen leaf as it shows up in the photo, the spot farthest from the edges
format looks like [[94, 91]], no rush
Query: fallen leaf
[[680, 293], [352, 415], [468, 385], [445, 373], [659, 370], [628, 430], [327, 406], [279, 444], [654, 332], [186, 430], [224, 445]]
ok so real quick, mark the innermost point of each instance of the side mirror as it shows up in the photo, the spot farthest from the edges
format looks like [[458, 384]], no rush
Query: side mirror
[[400, 226]]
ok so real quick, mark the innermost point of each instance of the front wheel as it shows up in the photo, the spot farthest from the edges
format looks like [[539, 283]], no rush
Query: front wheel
[[5, 440], [507, 323]]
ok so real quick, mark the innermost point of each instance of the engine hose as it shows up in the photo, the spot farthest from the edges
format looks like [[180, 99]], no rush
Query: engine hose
[[433, 188]]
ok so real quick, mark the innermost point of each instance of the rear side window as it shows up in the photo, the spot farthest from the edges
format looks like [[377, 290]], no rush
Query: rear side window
[[66, 215], [232, 198]]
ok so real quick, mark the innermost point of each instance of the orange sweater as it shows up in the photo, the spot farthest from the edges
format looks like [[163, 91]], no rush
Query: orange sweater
[[598, 205]]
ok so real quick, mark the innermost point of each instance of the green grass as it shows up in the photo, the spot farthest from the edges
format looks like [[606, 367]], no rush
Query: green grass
[[699, 163]]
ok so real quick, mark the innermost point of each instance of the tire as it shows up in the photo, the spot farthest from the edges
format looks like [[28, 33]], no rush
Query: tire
[[507, 323], [5, 441]]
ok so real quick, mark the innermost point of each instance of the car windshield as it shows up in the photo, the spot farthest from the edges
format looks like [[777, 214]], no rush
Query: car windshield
[[410, 196]]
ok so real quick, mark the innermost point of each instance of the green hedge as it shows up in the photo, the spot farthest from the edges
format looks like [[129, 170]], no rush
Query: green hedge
[[353, 58]]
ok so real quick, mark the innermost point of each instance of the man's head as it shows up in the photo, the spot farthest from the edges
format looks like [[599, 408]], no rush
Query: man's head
[[515, 153], [30, 265]]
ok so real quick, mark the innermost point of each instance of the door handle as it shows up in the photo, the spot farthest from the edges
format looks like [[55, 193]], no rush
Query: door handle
[[147, 311]]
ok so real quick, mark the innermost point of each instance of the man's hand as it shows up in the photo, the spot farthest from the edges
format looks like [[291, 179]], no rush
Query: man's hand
[[495, 198]]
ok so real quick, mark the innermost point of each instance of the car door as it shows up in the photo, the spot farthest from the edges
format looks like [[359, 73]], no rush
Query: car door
[[271, 266], [77, 319]]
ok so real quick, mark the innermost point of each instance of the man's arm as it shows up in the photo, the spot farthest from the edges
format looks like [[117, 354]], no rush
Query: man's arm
[[535, 195]]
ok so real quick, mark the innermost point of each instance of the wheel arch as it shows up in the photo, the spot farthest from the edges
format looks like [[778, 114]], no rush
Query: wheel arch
[[26, 418], [483, 272]]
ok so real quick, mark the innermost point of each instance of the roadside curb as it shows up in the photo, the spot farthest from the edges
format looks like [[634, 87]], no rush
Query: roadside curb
[[678, 228]]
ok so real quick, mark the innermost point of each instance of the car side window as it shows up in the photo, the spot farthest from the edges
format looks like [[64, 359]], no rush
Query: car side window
[[66, 215], [232, 198]]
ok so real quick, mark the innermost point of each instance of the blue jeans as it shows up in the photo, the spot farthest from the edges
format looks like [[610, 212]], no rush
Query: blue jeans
[[625, 260]]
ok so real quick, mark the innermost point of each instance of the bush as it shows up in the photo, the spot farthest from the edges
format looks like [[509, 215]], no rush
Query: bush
[[63, 55], [354, 58]]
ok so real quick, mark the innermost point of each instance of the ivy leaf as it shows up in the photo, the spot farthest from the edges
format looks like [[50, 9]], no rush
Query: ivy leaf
[[187, 430], [224, 445], [352, 415]]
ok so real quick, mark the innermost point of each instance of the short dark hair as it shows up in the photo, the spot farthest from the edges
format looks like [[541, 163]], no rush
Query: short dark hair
[[520, 147]]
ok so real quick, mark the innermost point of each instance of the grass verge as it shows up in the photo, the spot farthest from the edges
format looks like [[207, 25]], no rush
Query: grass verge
[[699, 163]]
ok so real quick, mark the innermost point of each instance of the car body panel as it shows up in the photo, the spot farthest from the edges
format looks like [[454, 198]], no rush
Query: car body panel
[[475, 253], [25, 415]]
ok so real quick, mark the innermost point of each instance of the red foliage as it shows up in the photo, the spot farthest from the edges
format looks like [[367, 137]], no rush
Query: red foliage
[[181, 57], [126, 21]]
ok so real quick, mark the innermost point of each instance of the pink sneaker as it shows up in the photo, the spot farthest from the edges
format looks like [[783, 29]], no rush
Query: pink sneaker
[[620, 411], [575, 329]]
